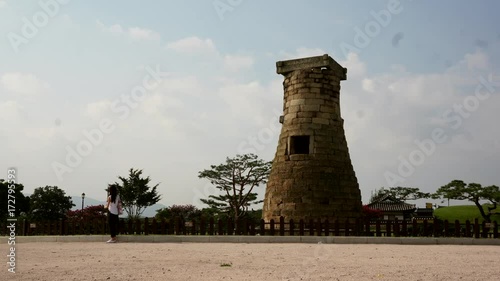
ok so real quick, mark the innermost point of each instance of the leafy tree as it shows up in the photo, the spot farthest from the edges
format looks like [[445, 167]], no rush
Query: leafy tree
[[399, 193], [49, 203], [136, 193], [371, 214], [473, 192], [186, 212], [88, 213], [236, 179], [21, 202]]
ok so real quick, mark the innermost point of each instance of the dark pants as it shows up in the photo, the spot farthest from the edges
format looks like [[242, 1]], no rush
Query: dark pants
[[113, 224]]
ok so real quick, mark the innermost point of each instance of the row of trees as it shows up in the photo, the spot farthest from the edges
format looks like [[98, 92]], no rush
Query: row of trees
[[236, 180], [51, 202], [455, 190]]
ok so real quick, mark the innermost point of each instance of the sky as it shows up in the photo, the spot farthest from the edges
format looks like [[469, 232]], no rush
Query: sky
[[91, 89]]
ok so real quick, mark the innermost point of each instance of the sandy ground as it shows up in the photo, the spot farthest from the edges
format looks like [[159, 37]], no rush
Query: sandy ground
[[225, 261]]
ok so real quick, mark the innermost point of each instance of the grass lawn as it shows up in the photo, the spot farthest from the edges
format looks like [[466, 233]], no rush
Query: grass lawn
[[463, 213]]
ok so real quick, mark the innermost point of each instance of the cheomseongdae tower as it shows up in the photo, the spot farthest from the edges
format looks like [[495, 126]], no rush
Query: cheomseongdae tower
[[312, 176]]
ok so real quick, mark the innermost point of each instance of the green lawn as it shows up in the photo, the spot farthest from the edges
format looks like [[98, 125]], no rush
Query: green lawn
[[463, 213]]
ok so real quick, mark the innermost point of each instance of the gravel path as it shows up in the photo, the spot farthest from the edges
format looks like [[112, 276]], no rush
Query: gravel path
[[231, 261]]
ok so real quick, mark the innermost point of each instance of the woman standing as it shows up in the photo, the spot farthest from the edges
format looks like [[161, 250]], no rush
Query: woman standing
[[114, 207]]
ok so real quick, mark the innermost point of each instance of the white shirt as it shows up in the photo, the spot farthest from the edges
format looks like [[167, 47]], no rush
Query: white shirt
[[113, 206]]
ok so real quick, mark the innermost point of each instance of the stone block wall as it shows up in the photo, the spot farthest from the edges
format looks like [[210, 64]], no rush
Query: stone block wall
[[312, 176]]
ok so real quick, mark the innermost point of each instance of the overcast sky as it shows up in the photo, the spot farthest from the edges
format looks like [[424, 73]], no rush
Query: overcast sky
[[90, 89]]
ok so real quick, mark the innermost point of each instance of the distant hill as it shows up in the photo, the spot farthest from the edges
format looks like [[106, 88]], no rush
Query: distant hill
[[463, 213], [77, 200]]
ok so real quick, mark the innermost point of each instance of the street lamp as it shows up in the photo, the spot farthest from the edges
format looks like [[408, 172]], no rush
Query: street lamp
[[83, 199]]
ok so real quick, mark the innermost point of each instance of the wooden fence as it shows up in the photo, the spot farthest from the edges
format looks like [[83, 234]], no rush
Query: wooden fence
[[210, 226]]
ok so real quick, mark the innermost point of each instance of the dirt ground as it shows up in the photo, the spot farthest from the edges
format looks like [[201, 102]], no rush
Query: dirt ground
[[227, 261]]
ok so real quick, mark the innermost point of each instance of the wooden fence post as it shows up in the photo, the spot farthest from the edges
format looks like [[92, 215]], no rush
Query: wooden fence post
[[476, 228], [358, 227], [311, 227], [318, 228], [203, 230], [292, 227], [404, 228], [301, 227], [146, 226], [130, 226], [220, 227], [377, 228], [337, 227], [388, 232], [495, 229], [436, 228], [282, 226], [193, 227], [138, 229], [425, 233], [446, 228], [396, 227], [467, 229], [271, 227], [346, 227], [154, 226], [457, 228], [367, 227], [245, 226], [211, 226], [327, 227], [230, 226], [262, 230], [252, 227], [485, 230]]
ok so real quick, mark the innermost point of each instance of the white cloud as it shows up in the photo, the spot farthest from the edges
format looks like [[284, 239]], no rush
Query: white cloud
[[180, 85], [138, 33], [116, 28], [41, 134], [97, 110], [386, 113], [156, 104], [3, 4], [192, 45], [237, 62], [24, 83], [135, 33], [355, 67], [368, 85], [478, 60], [302, 52], [9, 110]]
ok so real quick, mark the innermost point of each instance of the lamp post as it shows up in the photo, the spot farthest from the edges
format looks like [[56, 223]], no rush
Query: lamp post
[[83, 199]]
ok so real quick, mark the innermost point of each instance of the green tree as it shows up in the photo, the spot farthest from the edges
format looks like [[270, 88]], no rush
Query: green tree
[[136, 194], [49, 203], [399, 193], [473, 192], [21, 203], [236, 179]]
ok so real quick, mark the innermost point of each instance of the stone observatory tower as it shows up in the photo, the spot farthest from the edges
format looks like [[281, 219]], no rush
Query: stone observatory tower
[[312, 176]]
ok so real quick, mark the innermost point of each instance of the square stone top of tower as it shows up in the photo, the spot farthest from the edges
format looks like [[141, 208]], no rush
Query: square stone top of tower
[[324, 61]]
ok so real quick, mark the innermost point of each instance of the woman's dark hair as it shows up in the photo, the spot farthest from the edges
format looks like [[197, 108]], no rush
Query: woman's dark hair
[[113, 191]]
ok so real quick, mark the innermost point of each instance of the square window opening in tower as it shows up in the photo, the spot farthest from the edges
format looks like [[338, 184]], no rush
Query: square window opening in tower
[[299, 144]]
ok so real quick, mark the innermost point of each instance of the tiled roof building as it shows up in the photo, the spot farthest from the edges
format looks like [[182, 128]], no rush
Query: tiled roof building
[[392, 208]]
